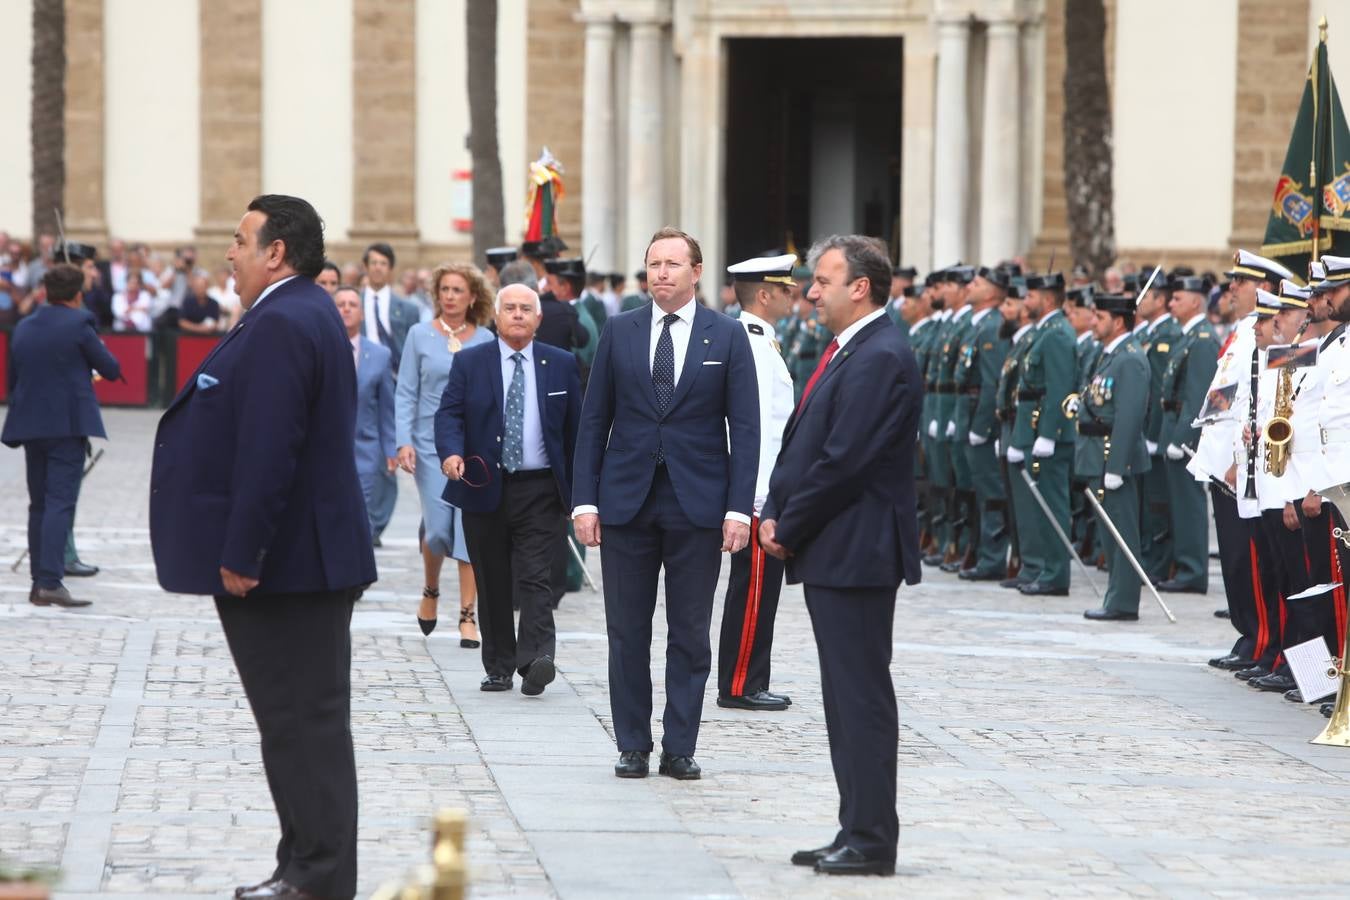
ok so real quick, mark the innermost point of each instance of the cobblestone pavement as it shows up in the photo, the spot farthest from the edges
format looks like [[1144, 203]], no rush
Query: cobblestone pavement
[[1041, 755]]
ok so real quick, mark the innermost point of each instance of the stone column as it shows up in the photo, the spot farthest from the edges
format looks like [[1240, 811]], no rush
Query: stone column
[[84, 210], [1000, 174], [597, 148], [646, 145], [702, 209], [231, 119], [384, 125], [951, 144], [916, 160]]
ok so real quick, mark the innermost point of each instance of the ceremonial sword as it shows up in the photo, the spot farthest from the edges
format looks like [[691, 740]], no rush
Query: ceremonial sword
[[1120, 542], [1064, 538], [1213, 479]]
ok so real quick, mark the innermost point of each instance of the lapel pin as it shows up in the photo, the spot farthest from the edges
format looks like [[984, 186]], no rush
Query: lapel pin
[[706, 341], [543, 362]]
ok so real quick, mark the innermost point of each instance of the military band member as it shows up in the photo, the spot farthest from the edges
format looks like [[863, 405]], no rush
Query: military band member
[[1112, 455], [1190, 370], [1157, 333], [1043, 436], [756, 578], [1017, 325], [982, 355]]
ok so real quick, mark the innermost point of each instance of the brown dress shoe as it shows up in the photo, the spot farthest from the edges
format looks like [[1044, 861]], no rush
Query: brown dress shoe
[[57, 596]]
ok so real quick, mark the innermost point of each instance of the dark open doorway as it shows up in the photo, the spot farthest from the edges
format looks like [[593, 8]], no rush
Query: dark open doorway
[[812, 141]]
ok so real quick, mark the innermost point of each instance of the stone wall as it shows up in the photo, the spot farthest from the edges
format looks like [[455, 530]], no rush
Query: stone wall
[[553, 102], [84, 218]]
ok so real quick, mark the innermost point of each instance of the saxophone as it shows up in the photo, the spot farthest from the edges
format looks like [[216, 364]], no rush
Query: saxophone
[[1279, 432]]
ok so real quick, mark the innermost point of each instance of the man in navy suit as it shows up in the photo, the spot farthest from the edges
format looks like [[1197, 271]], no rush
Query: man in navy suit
[[841, 513], [52, 414], [505, 433], [667, 389], [375, 450], [254, 499]]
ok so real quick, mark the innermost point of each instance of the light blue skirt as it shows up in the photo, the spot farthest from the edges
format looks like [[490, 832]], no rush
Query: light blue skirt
[[443, 522]]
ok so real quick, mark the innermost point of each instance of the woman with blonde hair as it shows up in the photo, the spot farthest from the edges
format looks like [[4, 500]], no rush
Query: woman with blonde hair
[[463, 305]]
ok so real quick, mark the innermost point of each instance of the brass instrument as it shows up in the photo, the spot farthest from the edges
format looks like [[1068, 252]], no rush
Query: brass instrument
[[1337, 732], [1279, 431]]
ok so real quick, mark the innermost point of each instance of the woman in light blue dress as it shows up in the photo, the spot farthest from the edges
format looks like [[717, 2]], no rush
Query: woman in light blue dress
[[464, 308]]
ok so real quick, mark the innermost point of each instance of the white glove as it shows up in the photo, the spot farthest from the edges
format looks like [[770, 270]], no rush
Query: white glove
[[1112, 482], [1015, 455], [998, 450], [951, 429], [1174, 452], [1043, 447], [1152, 447], [976, 440], [932, 429]]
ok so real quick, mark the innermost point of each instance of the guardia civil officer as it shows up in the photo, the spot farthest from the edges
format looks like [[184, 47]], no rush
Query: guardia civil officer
[[52, 414], [762, 288], [1111, 455], [1022, 568]]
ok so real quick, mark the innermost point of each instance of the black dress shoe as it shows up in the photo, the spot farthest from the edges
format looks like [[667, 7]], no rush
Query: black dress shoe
[[540, 673], [248, 890], [57, 596], [977, 575], [1274, 682], [933, 559], [1294, 696], [276, 888], [681, 768], [1111, 615], [787, 701], [1327, 709], [847, 861], [811, 857], [951, 568], [1222, 614], [1248, 674], [761, 701], [495, 683], [1172, 586], [1036, 589], [1232, 662], [80, 569], [631, 764]]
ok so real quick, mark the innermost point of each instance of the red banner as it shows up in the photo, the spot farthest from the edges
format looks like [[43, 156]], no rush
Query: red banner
[[192, 350], [132, 352]]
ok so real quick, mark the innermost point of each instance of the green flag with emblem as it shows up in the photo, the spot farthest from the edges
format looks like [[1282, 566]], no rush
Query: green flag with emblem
[[1312, 196]]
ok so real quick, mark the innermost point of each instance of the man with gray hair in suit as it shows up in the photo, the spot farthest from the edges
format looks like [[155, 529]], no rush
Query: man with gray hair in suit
[[375, 450]]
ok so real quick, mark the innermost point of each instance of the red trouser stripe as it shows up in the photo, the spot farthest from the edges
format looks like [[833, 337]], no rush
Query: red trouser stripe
[[1262, 626], [753, 594], [1338, 595]]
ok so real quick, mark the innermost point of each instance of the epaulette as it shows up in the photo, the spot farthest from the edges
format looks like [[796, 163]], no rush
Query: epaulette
[[753, 328]]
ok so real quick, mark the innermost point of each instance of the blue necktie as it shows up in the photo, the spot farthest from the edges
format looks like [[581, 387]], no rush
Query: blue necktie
[[663, 373], [513, 445]]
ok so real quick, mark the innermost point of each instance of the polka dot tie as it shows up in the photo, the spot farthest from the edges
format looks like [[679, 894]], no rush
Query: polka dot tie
[[513, 445], [663, 373]]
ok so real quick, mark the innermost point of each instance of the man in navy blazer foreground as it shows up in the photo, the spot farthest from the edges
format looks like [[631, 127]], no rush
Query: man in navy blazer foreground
[[841, 512], [254, 499], [52, 414], [505, 432], [670, 383]]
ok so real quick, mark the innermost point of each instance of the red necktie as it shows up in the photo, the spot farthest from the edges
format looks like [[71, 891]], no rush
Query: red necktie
[[825, 358]]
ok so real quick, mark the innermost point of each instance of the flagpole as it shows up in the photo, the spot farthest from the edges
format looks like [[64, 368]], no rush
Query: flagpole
[[1313, 184]]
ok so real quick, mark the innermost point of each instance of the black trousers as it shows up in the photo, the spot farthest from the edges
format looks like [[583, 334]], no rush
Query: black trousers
[[748, 614], [54, 469], [294, 656], [631, 558], [1238, 540], [512, 552], [1326, 612], [1284, 573], [853, 638]]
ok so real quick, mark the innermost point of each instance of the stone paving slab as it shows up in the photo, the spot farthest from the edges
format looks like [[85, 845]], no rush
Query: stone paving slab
[[1040, 755]]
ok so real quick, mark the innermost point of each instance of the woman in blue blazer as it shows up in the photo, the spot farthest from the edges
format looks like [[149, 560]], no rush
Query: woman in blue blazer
[[463, 310]]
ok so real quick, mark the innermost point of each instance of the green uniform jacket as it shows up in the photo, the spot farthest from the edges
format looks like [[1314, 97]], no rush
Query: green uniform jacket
[[1114, 402], [633, 301], [948, 373], [1009, 377], [1086, 354], [586, 355], [1190, 369], [1047, 378], [1158, 344], [982, 355], [596, 307], [893, 313]]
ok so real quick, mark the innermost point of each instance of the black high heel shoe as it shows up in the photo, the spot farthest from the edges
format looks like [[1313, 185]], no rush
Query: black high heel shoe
[[428, 625], [466, 617]]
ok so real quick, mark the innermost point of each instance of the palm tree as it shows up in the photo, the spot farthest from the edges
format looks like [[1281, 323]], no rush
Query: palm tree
[[48, 124], [489, 223], [1087, 137]]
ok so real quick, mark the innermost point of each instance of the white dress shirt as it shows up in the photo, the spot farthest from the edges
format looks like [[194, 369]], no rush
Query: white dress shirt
[[847, 334], [1187, 328], [377, 303], [356, 350], [268, 290], [534, 455], [679, 334], [776, 399]]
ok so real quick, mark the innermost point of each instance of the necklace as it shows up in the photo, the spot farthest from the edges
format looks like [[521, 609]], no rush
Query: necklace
[[452, 332]]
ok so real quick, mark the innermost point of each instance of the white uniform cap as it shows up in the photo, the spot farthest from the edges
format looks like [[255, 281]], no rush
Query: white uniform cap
[[773, 269]]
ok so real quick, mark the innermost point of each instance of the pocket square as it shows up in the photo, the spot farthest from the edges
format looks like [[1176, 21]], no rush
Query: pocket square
[[712, 362], [205, 381], [557, 393]]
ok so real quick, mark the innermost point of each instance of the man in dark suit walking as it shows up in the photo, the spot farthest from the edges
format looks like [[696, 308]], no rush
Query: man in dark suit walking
[[52, 414], [653, 467], [375, 450], [254, 499], [841, 511], [505, 433]]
